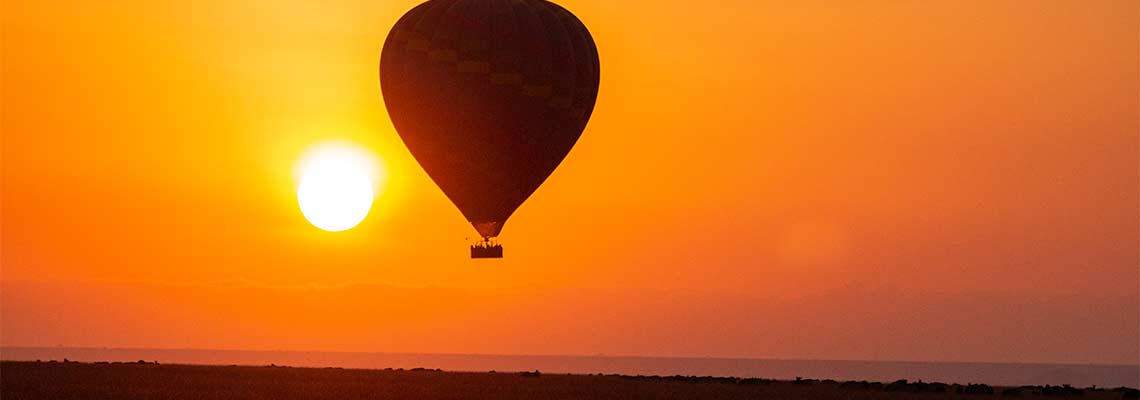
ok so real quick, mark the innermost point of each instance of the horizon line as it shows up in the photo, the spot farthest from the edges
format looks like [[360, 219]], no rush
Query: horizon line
[[599, 355]]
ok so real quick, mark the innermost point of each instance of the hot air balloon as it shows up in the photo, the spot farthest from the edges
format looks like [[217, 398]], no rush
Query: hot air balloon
[[489, 96]]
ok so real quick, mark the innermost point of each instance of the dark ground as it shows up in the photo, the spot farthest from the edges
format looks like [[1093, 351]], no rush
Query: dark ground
[[72, 380]]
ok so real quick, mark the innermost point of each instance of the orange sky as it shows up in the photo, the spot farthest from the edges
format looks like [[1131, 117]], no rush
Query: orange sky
[[953, 180]]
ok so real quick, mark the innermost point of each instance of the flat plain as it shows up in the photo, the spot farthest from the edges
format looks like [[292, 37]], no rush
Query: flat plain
[[143, 380]]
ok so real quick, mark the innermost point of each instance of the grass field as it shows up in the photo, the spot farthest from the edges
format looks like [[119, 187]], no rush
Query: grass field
[[72, 380]]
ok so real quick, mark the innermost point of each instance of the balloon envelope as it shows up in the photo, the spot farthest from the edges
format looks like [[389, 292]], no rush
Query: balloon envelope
[[489, 96]]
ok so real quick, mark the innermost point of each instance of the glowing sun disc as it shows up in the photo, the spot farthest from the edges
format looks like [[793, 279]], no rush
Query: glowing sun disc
[[335, 190]]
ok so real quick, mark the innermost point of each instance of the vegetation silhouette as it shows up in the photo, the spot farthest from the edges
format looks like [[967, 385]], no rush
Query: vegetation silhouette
[[142, 379]]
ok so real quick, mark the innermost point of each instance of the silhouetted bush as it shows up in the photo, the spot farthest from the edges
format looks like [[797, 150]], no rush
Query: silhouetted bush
[[898, 386], [1128, 393], [854, 385], [902, 385], [929, 387], [974, 388], [755, 381], [802, 381], [1063, 390]]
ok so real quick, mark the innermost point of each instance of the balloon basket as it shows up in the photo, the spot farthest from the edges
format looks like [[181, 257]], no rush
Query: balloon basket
[[486, 249], [495, 251]]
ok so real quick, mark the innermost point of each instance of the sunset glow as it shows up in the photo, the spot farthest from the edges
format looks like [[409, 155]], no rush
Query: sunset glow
[[949, 180]]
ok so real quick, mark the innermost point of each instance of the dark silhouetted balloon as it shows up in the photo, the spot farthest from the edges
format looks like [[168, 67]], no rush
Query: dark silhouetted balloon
[[489, 96]]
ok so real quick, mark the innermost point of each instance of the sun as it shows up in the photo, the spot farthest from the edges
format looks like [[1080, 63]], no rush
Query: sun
[[337, 185]]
